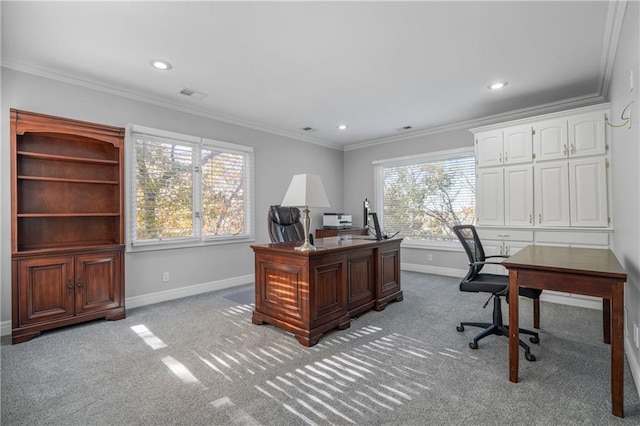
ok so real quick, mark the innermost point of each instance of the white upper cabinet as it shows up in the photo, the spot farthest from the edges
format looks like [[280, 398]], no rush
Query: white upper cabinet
[[543, 172], [551, 194], [489, 148], [576, 136], [588, 192], [490, 196], [586, 134], [518, 195], [550, 139], [517, 144], [511, 145]]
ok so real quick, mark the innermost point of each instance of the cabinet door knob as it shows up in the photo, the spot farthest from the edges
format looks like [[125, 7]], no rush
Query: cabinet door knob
[[573, 149], [540, 218], [79, 284], [530, 218], [500, 159], [69, 284], [506, 159], [564, 149]]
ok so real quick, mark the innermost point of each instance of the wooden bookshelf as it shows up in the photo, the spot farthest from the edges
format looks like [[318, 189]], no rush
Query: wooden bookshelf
[[67, 233]]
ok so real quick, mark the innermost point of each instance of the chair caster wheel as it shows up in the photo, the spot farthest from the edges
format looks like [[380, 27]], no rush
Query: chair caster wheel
[[534, 339], [530, 357], [460, 328], [473, 345]]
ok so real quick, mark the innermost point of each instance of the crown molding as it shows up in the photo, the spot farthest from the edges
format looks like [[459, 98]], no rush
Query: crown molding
[[161, 102], [548, 108], [612, 31]]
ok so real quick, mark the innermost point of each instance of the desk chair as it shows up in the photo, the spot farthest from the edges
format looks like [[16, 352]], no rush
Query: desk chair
[[498, 285], [284, 224]]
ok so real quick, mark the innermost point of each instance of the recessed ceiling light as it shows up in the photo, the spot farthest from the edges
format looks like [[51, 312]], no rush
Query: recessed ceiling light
[[497, 85], [160, 64], [342, 127]]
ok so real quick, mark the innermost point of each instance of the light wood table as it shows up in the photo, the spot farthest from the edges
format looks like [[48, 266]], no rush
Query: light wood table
[[591, 272]]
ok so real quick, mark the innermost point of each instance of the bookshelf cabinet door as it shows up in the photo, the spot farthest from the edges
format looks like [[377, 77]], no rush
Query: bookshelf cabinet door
[[98, 285], [45, 287]]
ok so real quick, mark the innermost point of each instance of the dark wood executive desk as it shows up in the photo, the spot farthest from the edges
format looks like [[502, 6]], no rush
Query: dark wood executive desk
[[310, 293], [591, 272]]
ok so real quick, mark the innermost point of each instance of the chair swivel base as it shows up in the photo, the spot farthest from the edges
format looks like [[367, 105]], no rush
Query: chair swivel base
[[499, 329]]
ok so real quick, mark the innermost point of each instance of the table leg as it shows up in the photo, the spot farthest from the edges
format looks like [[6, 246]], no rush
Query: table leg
[[617, 349], [513, 326], [606, 320]]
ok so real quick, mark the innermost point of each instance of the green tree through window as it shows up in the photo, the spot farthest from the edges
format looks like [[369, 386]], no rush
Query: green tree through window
[[192, 188], [422, 198]]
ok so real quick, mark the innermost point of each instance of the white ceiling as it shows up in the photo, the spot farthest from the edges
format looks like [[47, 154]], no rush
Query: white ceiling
[[281, 66]]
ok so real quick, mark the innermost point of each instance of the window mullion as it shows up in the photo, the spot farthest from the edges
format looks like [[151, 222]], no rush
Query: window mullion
[[197, 193]]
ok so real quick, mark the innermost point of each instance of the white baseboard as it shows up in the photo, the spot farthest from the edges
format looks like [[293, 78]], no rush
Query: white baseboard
[[163, 296], [571, 301], [634, 362]]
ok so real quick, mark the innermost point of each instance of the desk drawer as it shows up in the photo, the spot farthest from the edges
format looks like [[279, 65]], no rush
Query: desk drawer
[[505, 234]]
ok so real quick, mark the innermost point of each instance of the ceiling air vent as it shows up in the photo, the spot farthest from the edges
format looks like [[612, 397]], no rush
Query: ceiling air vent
[[192, 93]]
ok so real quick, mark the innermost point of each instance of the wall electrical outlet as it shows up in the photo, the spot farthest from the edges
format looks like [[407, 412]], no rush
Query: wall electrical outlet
[[165, 277], [430, 257]]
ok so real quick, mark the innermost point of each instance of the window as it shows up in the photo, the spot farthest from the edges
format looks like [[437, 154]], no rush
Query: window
[[187, 190], [422, 197]]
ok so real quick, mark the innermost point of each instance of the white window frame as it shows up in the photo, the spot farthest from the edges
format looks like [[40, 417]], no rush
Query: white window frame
[[398, 161], [198, 239]]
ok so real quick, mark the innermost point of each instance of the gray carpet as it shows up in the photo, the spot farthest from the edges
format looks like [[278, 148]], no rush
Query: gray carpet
[[200, 361]]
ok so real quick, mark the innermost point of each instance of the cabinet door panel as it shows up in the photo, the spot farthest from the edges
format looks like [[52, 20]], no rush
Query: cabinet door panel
[[98, 281], [550, 140], [489, 148], [518, 195], [588, 191], [518, 145], [361, 283], [45, 288], [586, 135], [490, 196], [551, 194]]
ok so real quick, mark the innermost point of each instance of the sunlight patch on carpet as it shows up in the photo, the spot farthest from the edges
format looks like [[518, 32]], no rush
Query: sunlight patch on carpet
[[148, 337]]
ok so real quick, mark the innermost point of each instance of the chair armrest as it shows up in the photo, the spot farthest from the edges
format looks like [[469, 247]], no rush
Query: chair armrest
[[485, 263], [505, 256]]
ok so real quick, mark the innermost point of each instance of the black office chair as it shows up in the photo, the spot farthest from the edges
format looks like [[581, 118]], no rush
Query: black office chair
[[285, 225], [498, 285]]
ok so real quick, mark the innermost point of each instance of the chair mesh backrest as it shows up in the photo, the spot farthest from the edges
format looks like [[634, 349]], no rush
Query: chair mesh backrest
[[468, 236], [284, 224]]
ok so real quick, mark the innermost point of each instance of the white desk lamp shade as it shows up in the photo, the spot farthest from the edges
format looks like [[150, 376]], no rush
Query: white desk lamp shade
[[304, 191]]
